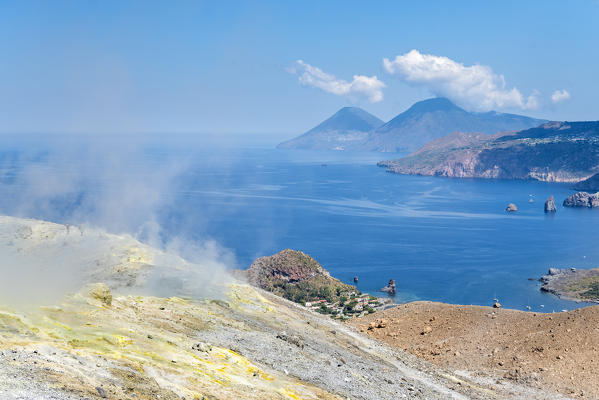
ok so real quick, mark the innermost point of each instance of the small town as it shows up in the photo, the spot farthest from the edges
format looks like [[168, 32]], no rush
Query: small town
[[349, 306]]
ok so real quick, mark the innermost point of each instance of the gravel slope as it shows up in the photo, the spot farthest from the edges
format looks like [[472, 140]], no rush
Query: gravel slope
[[556, 352]]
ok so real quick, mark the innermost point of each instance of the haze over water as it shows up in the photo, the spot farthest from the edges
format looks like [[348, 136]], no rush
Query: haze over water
[[441, 239]]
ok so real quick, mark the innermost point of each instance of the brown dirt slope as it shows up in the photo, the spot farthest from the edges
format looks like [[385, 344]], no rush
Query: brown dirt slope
[[558, 352]]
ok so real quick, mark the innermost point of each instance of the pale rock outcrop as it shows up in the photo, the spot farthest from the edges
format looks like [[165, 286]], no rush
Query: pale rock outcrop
[[582, 199], [550, 205]]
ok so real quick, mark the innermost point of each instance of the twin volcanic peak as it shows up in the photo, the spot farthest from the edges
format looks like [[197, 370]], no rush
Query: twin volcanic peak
[[352, 128]]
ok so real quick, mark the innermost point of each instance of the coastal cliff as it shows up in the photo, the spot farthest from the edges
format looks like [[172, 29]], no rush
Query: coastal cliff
[[582, 199], [553, 152]]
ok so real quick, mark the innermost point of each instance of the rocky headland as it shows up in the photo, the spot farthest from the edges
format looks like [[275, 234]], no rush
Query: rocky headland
[[572, 283], [553, 152], [298, 277], [582, 199]]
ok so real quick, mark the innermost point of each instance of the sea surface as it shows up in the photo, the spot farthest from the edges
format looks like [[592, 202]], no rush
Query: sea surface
[[441, 239]]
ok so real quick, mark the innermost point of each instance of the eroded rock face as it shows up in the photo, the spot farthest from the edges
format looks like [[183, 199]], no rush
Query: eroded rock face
[[550, 205], [582, 199]]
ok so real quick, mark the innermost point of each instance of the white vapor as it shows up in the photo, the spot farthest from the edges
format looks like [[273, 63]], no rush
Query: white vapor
[[368, 87], [99, 185], [475, 86], [560, 95]]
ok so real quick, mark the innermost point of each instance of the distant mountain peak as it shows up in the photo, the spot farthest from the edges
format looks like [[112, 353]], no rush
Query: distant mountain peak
[[434, 118], [357, 116], [347, 126], [349, 109], [432, 105], [349, 119]]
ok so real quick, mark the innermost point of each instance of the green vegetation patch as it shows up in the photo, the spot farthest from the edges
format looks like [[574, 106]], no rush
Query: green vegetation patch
[[585, 288], [592, 292], [312, 289]]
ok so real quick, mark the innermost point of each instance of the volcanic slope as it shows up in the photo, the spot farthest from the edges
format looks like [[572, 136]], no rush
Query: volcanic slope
[[557, 352], [119, 339]]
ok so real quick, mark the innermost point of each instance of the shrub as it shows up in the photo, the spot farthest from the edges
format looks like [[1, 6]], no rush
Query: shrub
[[592, 292], [324, 309]]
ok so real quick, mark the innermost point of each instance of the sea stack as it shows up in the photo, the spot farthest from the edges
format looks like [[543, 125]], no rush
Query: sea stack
[[390, 288], [511, 208], [550, 205]]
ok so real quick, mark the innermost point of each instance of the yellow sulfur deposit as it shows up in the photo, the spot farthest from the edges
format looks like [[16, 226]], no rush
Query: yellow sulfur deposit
[[149, 337]]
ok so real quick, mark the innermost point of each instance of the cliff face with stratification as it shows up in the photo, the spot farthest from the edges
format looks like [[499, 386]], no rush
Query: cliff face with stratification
[[554, 152]]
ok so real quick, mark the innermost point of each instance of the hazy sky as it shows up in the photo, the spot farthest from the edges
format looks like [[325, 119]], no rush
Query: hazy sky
[[280, 67]]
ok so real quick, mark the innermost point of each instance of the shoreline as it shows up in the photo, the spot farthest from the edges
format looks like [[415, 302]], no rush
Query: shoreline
[[578, 285]]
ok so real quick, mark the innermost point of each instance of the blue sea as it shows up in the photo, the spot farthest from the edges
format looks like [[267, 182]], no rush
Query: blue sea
[[441, 239]]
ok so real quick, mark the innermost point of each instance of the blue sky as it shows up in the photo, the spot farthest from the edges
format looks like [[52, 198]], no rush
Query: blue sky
[[232, 67]]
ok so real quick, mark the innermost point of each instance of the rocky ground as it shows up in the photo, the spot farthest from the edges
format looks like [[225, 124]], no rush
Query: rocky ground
[[234, 342], [556, 352]]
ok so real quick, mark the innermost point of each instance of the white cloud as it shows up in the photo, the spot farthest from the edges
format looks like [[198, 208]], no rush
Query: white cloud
[[475, 86], [560, 95], [368, 87]]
